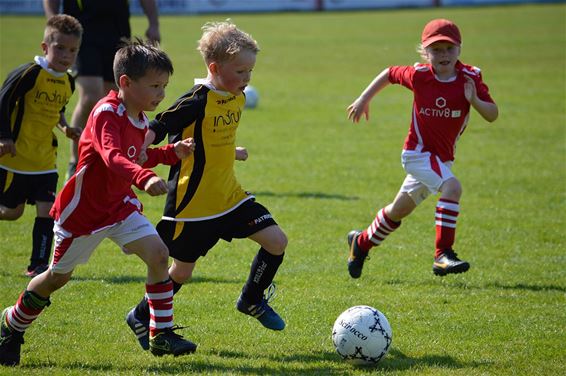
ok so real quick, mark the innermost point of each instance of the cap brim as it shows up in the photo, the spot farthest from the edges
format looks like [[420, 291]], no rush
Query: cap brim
[[440, 38]]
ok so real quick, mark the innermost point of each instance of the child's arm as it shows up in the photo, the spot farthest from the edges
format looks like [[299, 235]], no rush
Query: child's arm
[[51, 7], [155, 186], [361, 104], [487, 110], [241, 153], [7, 146], [70, 132], [168, 154]]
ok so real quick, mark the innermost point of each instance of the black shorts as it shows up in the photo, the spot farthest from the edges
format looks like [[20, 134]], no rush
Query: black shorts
[[96, 59], [16, 189], [195, 239]]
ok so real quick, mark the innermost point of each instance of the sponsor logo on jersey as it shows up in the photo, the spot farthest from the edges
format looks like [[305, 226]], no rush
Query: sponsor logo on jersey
[[53, 97], [228, 119], [227, 100], [441, 111]]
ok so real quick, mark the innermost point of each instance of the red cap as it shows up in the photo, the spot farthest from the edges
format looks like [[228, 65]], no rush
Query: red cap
[[440, 30]]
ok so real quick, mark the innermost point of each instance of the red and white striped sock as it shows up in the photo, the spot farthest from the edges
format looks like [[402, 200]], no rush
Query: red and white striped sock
[[379, 229], [160, 299], [446, 215], [28, 307]]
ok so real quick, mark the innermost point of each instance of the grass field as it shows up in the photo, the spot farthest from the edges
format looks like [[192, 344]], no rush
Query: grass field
[[322, 176]]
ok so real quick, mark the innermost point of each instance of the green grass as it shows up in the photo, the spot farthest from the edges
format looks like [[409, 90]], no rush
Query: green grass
[[321, 176]]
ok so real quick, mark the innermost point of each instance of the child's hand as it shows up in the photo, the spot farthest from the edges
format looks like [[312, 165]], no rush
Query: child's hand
[[184, 148], [155, 186], [73, 133], [142, 157], [357, 109], [470, 91], [241, 153], [7, 146]]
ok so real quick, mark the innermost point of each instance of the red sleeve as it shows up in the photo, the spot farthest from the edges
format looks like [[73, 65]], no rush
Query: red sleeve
[[107, 142], [402, 75], [162, 155], [482, 89]]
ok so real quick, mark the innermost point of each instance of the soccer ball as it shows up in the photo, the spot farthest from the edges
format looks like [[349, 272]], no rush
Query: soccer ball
[[252, 97], [362, 335]]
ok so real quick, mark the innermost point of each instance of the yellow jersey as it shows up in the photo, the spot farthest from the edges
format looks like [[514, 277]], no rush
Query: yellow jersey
[[204, 185], [31, 101]]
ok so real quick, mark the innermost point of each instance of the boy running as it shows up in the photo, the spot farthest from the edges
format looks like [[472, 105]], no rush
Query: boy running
[[207, 203], [444, 89], [98, 202], [32, 103]]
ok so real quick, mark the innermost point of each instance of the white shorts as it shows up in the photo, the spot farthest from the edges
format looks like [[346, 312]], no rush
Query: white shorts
[[425, 174], [71, 251]]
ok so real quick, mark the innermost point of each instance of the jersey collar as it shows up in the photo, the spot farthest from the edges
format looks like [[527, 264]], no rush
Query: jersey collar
[[42, 61]]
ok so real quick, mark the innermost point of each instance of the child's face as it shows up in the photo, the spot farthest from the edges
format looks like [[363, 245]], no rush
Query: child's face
[[443, 57], [62, 51], [145, 93], [234, 75]]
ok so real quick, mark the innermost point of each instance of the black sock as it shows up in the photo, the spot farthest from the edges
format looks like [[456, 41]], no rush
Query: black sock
[[262, 272], [42, 240], [142, 309]]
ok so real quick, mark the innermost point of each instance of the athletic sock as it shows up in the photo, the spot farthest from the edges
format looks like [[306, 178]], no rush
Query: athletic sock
[[446, 215], [142, 309], [27, 309], [376, 233], [262, 271], [42, 235], [160, 300]]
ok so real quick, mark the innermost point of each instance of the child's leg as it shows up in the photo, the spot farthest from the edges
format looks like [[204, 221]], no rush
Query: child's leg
[[159, 293], [387, 220], [9, 214], [36, 297], [159, 288], [273, 242], [179, 273], [42, 235], [447, 210], [263, 269]]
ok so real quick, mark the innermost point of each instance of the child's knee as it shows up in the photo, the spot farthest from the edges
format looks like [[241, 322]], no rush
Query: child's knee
[[452, 189], [278, 243], [8, 214]]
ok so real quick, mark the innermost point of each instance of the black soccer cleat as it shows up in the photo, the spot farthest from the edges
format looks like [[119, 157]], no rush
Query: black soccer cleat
[[449, 263], [357, 256], [139, 327], [10, 343], [167, 342]]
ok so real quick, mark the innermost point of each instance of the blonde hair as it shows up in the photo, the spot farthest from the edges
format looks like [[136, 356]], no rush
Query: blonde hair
[[222, 41]]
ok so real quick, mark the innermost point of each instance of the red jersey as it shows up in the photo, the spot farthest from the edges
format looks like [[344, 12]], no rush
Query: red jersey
[[440, 109], [100, 193]]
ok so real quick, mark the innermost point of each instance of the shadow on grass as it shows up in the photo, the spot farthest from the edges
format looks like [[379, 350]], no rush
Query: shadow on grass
[[317, 195], [321, 363], [125, 279], [486, 286], [397, 361]]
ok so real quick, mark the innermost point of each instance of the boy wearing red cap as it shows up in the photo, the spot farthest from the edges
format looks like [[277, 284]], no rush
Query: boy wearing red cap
[[444, 89]]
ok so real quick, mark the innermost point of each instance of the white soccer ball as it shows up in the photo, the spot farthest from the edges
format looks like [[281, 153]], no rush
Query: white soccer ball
[[252, 97], [362, 335]]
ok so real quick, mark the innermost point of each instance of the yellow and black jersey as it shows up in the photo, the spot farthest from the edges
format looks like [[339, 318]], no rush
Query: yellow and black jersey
[[205, 184], [31, 101]]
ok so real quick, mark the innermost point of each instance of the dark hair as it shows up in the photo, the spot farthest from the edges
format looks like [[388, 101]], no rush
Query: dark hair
[[137, 56], [63, 24]]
